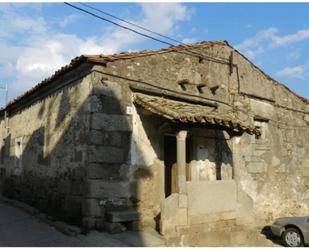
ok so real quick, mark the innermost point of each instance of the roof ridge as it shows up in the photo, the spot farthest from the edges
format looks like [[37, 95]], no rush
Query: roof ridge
[[106, 58], [124, 54], [130, 55]]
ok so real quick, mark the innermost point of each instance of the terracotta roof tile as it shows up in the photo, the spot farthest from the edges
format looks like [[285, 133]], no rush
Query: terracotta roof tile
[[191, 113], [108, 58], [121, 56]]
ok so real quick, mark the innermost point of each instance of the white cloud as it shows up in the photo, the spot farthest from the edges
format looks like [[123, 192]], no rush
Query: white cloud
[[69, 20], [254, 45], [292, 72], [164, 14], [41, 49], [17, 23], [159, 17], [296, 72], [296, 37], [189, 40], [268, 39]]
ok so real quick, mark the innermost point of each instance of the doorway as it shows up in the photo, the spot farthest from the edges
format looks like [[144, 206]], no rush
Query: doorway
[[170, 153]]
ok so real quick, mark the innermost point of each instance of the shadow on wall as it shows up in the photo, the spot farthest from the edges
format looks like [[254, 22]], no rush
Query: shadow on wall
[[50, 172], [76, 166]]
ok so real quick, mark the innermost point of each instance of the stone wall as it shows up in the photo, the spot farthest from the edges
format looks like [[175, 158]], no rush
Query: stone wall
[[260, 165], [273, 169], [123, 167], [45, 149]]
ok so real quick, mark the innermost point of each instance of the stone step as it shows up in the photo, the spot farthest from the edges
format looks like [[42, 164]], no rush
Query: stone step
[[122, 216]]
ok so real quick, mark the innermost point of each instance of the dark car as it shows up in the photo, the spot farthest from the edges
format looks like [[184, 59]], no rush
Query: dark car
[[293, 230]]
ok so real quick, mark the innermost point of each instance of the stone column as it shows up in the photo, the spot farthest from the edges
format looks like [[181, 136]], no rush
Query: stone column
[[181, 161]]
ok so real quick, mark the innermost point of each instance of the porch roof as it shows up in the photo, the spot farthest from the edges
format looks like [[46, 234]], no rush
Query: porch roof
[[191, 113]]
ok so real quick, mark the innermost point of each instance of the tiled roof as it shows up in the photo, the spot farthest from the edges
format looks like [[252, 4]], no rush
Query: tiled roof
[[130, 55], [191, 113], [126, 55], [109, 58]]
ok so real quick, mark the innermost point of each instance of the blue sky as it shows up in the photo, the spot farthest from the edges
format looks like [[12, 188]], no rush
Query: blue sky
[[38, 38]]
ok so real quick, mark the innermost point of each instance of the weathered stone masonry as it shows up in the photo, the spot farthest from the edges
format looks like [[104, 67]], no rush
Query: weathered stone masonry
[[93, 138]]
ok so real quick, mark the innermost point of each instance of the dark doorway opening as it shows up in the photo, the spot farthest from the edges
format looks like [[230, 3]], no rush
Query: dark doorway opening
[[169, 160]]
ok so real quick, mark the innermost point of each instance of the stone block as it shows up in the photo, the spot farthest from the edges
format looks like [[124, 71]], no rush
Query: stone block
[[257, 153], [108, 122], [78, 156], [256, 167], [115, 138], [122, 216], [200, 228], [179, 218], [107, 189], [96, 137], [109, 138], [98, 171], [183, 201], [104, 171], [209, 197], [109, 154], [91, 208], [195, 220], [213, 238], [173, 241]]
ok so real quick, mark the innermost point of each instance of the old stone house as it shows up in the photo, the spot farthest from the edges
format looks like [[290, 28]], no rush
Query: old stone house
[[190, 140]]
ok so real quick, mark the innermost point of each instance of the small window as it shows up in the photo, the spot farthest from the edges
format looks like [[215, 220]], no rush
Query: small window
[[18, 147], [18, 156], [258, 136], [261, 124]]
